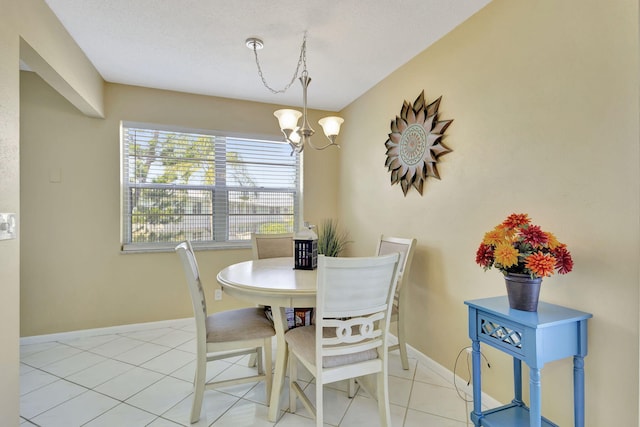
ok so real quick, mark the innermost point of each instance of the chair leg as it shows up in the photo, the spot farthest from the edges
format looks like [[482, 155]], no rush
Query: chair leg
[[351, 388], [258, 356], [268, 366], [319, 403], [199, 381], [252, 361], [383, 399], [293, 377], [402, 343]]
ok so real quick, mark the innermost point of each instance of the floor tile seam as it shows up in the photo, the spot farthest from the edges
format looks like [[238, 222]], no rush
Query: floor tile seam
[[413, 382], [125, 400], [57, 360], [448, 386], [120, 402], [351, 399], [48, 384], [55, 406], [105, 411], [75, 372], [436, 415], [173, 371], [117, 354], [153, 342], [69, 343], [238, 400]]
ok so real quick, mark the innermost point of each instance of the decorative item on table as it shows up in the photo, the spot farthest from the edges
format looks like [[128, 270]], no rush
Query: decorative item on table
[[524, 254], [305, 248], [331, 240]]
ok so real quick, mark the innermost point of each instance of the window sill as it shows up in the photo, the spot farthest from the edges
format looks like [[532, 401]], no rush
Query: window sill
[[127, 249]]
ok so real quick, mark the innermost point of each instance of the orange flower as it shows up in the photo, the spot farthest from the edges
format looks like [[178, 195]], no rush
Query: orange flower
[[541, 264], [506, 255]]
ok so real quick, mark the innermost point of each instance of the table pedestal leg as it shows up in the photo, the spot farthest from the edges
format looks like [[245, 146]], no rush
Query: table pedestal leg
[[279, 321]]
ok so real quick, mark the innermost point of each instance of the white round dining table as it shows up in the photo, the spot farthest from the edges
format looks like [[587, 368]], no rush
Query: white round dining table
[[273, 282]]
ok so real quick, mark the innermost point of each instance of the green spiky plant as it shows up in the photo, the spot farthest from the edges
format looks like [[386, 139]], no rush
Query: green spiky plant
[[331, 240]]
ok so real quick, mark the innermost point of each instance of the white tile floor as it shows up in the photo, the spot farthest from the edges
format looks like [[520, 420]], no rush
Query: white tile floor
[[144, 378]]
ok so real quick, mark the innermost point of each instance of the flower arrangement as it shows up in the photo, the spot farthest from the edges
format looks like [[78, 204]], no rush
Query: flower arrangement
[[516, 246]]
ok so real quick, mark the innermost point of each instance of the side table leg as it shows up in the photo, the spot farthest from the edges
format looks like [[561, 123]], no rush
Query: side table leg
[[517, 381], [535, 410], [477, 386], [279, 320], [578, 391]]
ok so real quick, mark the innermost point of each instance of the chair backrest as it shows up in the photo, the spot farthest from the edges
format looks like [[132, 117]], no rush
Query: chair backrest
[[405, 247], [192, 273], [354, 303], [272, 245]]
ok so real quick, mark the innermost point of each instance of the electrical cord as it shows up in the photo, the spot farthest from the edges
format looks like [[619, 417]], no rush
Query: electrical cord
[[455, 366]]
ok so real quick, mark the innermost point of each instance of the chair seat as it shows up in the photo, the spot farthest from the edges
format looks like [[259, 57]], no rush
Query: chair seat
[[302, 341], [238, 325]]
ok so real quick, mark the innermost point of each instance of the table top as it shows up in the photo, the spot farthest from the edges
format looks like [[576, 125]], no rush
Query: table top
[[270, 276], [547, 314]]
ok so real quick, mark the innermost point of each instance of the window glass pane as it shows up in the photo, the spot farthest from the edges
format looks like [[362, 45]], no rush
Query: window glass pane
[[204, 187]]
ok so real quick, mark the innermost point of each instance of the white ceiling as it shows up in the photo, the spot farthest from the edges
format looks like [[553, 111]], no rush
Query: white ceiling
[[198, 46]]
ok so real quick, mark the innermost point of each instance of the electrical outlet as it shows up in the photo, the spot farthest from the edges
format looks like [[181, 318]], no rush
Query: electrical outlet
[[217, 295], [7, 226]]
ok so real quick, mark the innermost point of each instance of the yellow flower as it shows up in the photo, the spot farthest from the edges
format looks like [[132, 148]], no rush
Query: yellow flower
[[494, 237], [506, 255], [552, 242]]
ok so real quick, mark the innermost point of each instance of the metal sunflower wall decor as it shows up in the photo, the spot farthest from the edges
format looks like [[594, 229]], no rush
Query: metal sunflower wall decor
[[414, 144]]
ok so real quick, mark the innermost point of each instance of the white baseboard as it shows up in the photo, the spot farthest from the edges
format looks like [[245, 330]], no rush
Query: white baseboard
[[71, 335]]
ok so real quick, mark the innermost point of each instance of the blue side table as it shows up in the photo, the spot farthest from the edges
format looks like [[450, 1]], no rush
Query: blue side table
[[551, 333]]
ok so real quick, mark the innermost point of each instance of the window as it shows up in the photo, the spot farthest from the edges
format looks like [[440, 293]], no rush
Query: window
[[211, 188]]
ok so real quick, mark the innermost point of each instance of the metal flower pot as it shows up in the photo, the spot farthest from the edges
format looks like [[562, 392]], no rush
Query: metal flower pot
[[523, 291]]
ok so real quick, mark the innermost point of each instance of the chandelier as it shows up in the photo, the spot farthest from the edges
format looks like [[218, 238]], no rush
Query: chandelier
[[298, 136]]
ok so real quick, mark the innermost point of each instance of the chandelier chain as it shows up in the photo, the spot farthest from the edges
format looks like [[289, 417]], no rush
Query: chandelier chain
[[301, 60]]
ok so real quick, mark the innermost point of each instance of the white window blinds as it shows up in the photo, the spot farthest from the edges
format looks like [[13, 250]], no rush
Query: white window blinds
[[214, 190]]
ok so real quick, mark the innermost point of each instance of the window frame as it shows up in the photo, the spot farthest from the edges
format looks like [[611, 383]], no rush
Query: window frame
[[219, 189]]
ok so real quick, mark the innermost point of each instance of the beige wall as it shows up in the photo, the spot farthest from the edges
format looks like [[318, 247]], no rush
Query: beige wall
[[73, 273], [32, 20], [9, 202], [544, 96], [545, 101]]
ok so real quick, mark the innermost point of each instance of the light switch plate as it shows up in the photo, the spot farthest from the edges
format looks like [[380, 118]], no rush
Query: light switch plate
[[7, 226]]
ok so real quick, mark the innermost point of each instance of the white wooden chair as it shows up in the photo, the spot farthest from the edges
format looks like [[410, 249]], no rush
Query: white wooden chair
[[233, 332], [405, 247], [349, 338], [272, 245], [276, 245]]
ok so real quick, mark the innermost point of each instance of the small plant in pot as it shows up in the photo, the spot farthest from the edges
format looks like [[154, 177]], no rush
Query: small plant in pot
[[524, 254], [331, 240]]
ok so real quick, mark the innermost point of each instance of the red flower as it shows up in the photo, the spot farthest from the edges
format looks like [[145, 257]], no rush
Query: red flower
[[516, 220], [484, 256], [534, 236], [564, 262]]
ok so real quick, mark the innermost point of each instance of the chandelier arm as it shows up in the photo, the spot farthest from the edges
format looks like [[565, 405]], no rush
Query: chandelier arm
[[332, 142], [302, 59]]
